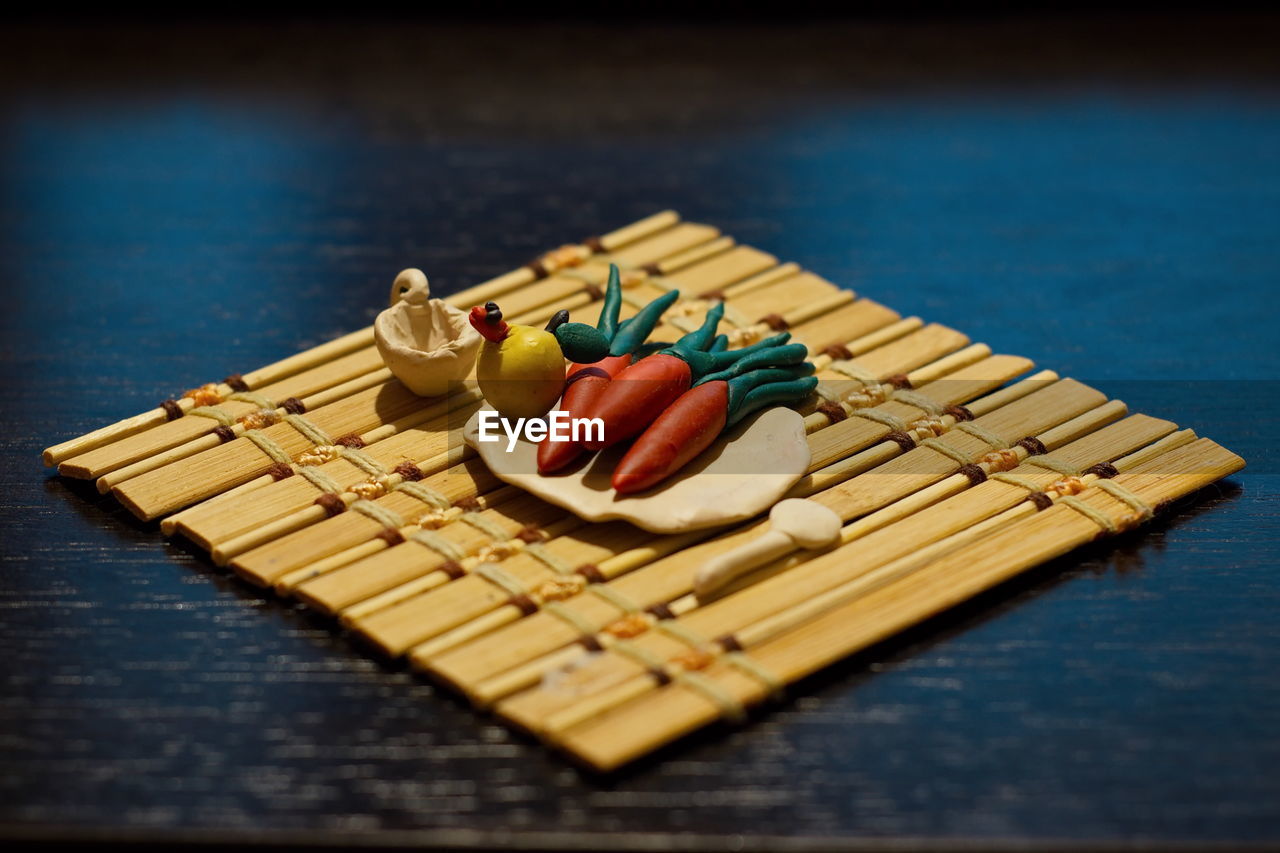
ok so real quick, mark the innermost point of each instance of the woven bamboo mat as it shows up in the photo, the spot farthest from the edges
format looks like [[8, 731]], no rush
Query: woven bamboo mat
[[952, 469]]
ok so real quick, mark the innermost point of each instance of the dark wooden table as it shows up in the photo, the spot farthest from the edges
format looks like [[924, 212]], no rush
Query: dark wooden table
[[1100, 194]]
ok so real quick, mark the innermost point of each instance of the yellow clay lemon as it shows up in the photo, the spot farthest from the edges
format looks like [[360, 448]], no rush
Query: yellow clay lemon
[[520, 368]]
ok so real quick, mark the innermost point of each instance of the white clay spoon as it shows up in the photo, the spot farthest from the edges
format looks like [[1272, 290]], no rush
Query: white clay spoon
[[793, 524]]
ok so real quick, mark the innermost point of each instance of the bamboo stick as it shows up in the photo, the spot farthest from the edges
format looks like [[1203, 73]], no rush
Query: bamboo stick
[[361, 339], [207, 442], [630, 730], [419, 619], [552, 292], [297, 363], [311, 583], [487, 534], [443, 447], [468, 482], [877, 453], [435, 441]]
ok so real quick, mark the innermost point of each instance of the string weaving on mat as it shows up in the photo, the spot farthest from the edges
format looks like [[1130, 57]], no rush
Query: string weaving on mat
[[872, 392], [387, 518], [984, 435], [268, 446], [854, 371], [570, 617], [430, 539], [543, 555], [264, 416], [730, 708], [380, 481], [1056, 465], [484, 525], [206, 395], [495, 574], [320, 480], [1071, 485], [704, 652], [643, 657], [605, 593], [1142, 511], [425, 493]]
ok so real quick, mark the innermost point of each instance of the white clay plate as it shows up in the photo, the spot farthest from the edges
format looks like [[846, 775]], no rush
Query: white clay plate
[[740, 476]]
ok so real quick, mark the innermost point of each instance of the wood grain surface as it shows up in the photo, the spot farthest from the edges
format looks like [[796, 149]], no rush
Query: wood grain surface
[[1100, 194]]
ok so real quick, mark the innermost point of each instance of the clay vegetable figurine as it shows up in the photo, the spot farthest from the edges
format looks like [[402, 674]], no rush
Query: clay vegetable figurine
[[718, 401], [520, 368], [640, 393], [584, 383]]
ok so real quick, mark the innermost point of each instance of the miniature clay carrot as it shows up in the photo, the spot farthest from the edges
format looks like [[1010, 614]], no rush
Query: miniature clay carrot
[[679, 434], [583, 386], [584, 383], [690, 424], [639, 394]]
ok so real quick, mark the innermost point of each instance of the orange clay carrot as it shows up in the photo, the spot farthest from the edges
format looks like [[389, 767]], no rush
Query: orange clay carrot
[[679, 434], [637, 395], [583, 386], [690, 424], [584, 383]]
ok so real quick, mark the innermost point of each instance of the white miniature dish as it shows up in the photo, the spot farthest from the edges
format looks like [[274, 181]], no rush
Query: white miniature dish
[[745, 472], [426, 343]]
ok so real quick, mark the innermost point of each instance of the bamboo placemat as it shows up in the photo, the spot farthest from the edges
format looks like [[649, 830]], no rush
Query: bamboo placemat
[[952, 469]]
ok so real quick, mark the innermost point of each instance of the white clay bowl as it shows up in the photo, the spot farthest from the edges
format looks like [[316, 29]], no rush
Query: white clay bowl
[[426, 343]]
